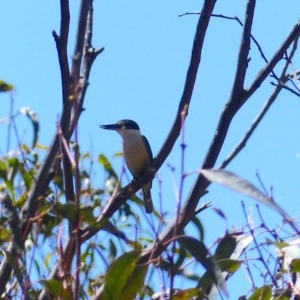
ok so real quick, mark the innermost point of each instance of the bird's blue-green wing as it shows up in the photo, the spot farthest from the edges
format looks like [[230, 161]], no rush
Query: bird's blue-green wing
[[148, 147]]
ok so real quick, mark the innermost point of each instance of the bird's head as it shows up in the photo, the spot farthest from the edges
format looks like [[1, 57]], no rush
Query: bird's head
[[122, 127]]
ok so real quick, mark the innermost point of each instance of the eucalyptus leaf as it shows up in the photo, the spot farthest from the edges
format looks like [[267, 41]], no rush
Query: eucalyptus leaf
[[124, 278], [242, 186], [27, 111], [201, 254], [5, 87]]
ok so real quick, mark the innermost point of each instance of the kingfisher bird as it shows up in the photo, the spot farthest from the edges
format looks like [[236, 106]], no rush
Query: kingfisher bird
[[137, 153]]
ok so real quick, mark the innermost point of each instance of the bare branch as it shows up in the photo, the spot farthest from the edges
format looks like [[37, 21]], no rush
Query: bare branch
[[68, 99], [89, 56], [262, 113], [262, 75], [79, 46], [291, 90], [242, 62], [61, 45], [235, 18]]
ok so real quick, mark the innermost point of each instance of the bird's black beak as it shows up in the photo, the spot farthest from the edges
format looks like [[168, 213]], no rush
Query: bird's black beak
[[110, 127]]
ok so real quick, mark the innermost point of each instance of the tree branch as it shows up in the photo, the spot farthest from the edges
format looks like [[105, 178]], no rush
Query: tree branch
[[61, 45], [242, 63], [79, 44], [262, 113], [262, 75]]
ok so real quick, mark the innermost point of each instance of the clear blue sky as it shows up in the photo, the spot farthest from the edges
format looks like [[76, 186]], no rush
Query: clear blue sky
[[140, 76]]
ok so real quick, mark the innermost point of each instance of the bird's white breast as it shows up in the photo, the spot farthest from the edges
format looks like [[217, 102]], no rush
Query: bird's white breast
[[135, 152]]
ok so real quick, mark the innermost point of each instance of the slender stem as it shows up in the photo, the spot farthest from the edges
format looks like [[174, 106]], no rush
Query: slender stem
[[10, 120]]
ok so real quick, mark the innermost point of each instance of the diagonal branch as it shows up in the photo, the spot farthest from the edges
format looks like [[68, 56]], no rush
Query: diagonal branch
[[242, 63], [68, 99], [262, 75], [79, 44], [61, 41], [263, 111]]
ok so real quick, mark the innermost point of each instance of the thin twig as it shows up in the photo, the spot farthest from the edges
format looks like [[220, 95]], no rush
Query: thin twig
[[261, 258], [290, 90], [262, 75], [235, 18], [10, 120]]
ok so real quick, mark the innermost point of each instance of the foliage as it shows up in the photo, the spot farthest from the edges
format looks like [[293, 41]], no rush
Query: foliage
[[64, 237]]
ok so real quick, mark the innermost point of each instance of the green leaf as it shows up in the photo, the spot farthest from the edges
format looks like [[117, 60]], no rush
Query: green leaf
[[86, 214], [35, 122], [112, 250], [3, 169], [5, 234], [102, 159], [279, 245], [28, 178], [119, 275], [229, 265], [196, 248], [225, 247], [188, 274], [41, 147], [66, 210], [14, 167], [186, 294], [200, 252], [199, 226], [227, 253], [5, 87], [38, 267], [47, 259], [182, 254], [52, 286], [55, 288], [262, 293], [242, 186], [135, 282], [236, 183], [118, 154], [295, 266]]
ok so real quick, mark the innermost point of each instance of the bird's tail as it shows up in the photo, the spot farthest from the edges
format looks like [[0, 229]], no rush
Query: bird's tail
[[148, 200]]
